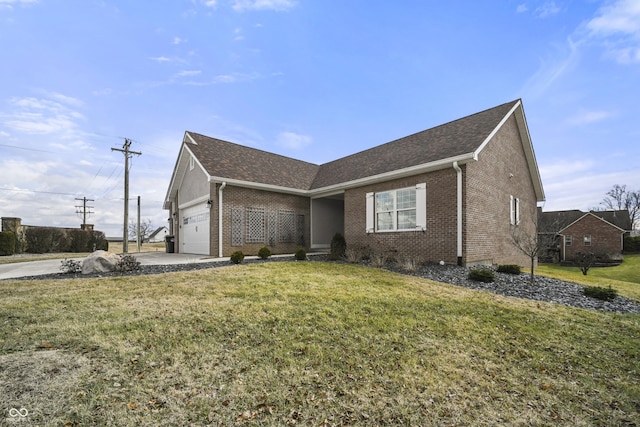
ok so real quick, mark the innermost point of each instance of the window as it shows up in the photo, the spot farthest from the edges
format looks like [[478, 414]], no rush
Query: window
[[397, 210], [514, 209], [587, 239], [568, 240]]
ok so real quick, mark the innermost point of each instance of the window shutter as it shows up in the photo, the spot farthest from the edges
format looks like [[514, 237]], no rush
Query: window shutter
[[421, 206], [517, 210], [511, 211], [370, 202]]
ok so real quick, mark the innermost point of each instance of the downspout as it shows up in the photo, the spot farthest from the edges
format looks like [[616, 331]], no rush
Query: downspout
[[459, 211], [224, 184]]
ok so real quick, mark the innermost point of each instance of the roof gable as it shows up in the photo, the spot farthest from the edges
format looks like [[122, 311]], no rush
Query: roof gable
[[591, 215]]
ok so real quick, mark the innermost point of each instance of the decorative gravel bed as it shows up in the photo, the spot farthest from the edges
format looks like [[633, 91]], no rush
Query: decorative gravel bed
[[519, 286]]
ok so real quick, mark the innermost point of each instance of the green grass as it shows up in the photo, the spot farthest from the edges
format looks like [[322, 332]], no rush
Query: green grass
[[308, 343], [625, 278]]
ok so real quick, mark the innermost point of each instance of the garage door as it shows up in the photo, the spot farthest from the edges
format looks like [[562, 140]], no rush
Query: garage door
[[194, 230]]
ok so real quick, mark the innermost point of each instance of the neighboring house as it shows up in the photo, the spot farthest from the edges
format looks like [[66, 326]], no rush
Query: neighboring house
[[158, 235], [451, 193], [598, 232]]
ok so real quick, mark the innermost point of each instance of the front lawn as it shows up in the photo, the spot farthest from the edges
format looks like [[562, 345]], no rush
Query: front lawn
[[309, 344]]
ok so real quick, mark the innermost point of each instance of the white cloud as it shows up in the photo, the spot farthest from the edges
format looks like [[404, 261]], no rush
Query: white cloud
[[188, 73], [617, 27], [210, 3], [552, 70], [277, 5], [42, 116], [547, 9], [522, 8], [160, 59], [585, 117], [293, 140], [178, 40]]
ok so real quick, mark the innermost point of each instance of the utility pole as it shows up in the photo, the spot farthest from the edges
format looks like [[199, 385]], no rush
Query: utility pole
[[85, 210], [138, 232], [127, 154]]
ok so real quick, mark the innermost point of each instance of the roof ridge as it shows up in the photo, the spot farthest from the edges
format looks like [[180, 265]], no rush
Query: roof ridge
[[252, 148]]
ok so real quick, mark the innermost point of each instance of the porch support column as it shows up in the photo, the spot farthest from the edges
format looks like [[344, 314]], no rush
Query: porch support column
[[224, 184]]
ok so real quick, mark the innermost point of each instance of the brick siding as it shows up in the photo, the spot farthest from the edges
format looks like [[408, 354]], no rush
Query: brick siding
[[605, 238], [241, 198]]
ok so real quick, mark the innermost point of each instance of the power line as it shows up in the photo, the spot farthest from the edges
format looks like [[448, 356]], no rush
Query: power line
[[37, 191], [25, 148]]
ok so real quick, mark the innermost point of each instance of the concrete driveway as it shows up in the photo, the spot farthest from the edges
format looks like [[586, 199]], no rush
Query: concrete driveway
[[52, 266]]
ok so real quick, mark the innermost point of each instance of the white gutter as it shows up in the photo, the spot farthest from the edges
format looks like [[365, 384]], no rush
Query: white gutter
[[224, 184], [459, 211]]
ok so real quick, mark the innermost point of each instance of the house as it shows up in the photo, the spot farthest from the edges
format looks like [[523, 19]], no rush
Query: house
[[451, 193], [598, 232], [158, 235]]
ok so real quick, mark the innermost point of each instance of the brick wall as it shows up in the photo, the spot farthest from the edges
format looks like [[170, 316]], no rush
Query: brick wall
[[437, 243], [500, 172], [605, 238], [241, 198]]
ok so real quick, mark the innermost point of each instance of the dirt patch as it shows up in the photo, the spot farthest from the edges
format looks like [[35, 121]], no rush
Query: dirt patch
[[36, 385]]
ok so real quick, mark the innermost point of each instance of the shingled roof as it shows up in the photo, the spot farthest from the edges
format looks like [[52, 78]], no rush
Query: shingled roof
[[459, 140], [232, 161], [450, 140], [554, 221]]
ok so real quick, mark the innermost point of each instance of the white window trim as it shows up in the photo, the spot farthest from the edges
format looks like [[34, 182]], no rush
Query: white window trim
[[421, 210]]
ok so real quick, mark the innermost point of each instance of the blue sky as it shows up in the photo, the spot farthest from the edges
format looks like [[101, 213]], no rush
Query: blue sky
[[313, 80]]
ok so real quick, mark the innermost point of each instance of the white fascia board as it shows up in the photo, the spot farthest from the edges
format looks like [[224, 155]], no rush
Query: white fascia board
[[180, 170], [258, 186], [193, 202], [341, 187], [523, 129], [400, 173]]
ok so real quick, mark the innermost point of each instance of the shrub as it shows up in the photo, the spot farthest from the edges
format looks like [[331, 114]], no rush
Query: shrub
[[353, 255], [300, 254], [7, 243], [509, 269], [127, 263], [338, 247], [237, 257], [379, 260], [605, 294], [264, 252], [482, 275], [631, 244], [409, 264], [41, 240], [69, 266]]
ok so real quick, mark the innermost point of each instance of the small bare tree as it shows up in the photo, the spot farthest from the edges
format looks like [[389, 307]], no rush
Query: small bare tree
[[533, 243], [619, 198], [146, 228]]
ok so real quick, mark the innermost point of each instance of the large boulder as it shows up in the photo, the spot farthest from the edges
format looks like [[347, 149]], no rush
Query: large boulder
[[100, 262]]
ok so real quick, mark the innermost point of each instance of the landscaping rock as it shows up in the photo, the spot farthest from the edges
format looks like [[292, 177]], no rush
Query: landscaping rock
[[100, 262]]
